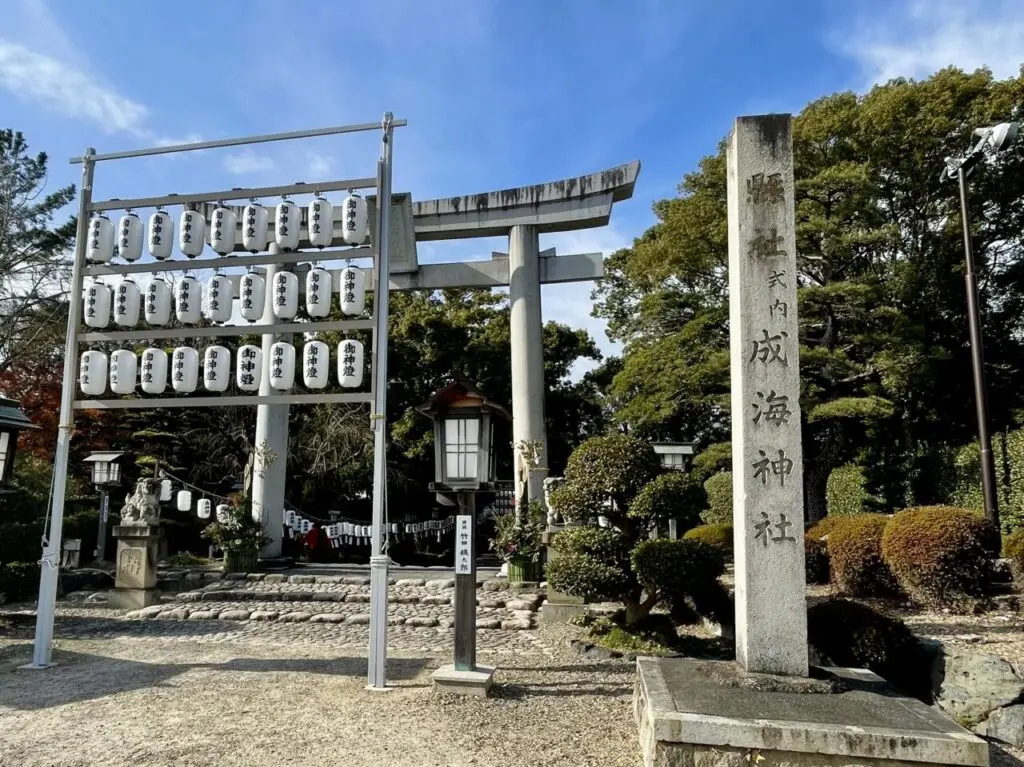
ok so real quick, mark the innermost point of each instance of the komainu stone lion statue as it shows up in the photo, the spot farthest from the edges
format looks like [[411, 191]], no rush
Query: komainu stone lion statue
[[142, 507], [552, 483]]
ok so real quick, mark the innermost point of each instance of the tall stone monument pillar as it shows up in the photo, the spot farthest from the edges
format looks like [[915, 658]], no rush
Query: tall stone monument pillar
[[768, 516], [527, 341]]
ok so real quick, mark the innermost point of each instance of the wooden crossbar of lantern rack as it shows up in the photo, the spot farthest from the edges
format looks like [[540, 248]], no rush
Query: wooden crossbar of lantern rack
[[226, 331]]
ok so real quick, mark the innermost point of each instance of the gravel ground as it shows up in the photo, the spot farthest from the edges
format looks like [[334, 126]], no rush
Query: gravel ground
[[119, 701]]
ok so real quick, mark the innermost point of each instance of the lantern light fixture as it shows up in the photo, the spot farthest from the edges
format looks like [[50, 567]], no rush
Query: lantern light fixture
[[12, 421], [106, 468]]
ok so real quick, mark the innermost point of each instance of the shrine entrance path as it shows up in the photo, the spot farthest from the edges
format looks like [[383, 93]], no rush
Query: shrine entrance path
[[230, 700]]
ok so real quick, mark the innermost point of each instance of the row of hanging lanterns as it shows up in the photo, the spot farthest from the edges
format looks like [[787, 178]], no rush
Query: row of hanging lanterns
[[124, 370], [192, 303], [351, 533], [127, 239]]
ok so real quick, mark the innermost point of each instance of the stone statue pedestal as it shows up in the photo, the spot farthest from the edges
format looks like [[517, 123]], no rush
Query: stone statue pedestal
[[559, 607], [138, 551]]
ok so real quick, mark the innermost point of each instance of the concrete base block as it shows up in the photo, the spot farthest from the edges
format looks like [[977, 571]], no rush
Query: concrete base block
[[134, 599], [476, 682], [560, 612], [687, 717]]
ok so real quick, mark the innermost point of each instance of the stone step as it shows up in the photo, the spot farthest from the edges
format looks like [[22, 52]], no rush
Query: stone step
[[172, 580], [356, 595]]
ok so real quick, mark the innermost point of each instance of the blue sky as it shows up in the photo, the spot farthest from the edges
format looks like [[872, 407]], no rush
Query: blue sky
[[497, 94]]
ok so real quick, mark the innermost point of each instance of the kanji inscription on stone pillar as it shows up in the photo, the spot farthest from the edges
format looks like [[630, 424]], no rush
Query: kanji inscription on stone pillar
[[768, 515]]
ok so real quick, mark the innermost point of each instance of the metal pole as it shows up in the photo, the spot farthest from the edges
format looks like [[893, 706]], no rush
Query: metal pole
[[377, 667], [465, 586], [988, 468], [101, 535], [49, 564]]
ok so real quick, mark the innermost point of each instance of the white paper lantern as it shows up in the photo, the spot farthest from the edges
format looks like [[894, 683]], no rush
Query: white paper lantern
[[306, 526], [161, 235], [203, 507], [286, 295], [129, 237], [289, 517], [184, 369], [286, 225], [166, 490], [355, 220], [158, 302], [217, 298], [124, 368], [216, 368], [249, 367], [316, 361], [252, 292], [222, 512], [154, 371], [282, 365], [127, 304], [352, 290], [188, 300], [191, 233], [318, 292], [222, 230], [184, 500], [350, 363], [320, 223], [97, 305], [254, 227], [100, 245], [92, 373]]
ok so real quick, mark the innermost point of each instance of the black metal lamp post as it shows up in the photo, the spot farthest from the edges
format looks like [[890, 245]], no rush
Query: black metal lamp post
[[106, 473], [464, 465], [12, 421], [991, 141]]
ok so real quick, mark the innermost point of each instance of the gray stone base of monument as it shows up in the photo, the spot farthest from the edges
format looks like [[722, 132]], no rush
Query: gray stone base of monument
[[692, 712], [559, 607], [135, 577], [476, 683]]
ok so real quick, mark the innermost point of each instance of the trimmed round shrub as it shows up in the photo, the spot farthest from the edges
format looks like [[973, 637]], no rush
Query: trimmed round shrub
[[616, 467], [685, 573], [816, 561], [716, 536], [846, 490], [942, 556], [853, 635], [674, 495], [822, 528], [718, 489], [1013, 549], [592, 564], [855, 556], [19, 582]]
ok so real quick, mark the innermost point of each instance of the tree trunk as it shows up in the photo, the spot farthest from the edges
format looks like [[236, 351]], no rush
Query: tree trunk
[[827, 447], [637, 610]]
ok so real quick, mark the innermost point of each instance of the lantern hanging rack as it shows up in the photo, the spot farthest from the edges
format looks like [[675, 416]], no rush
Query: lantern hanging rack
[[159, 334], [151, 402]]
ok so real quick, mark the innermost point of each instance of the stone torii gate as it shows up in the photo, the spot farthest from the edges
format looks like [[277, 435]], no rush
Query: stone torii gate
[[521, 214]]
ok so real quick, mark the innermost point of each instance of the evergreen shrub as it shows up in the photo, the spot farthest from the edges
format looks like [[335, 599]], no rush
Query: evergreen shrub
[[716, 536], [855, 556]]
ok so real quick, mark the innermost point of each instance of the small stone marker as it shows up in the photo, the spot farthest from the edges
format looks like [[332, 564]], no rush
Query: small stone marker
[[768, 516]]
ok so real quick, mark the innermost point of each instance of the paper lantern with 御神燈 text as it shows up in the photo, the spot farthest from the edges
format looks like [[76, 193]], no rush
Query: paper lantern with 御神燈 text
[[282, 365], [184, 369], [130, 233], [184, 500], [352, 290], [217, 298], [316, 363], [254, 227], [158, 302], [320, 222], [153, 370], [350, 363], [161, 235], [355, 220], [127, 304], [166, 490], [96, 306], [92, 373], [286, 225], [191, 232], [252, 295], [123, 371], [99, 247], [188, 300], [222, 230], [248, 367], [318, 292], [203, 508], [216, 368], [286, 295]]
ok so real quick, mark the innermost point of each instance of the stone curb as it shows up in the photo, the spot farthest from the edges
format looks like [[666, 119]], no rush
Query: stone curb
[[212, 576]]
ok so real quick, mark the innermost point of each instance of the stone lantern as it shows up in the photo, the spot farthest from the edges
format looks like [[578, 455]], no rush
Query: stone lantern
[[12, 421]]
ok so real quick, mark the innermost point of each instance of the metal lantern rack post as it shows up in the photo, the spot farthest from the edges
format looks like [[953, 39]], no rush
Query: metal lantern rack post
[[91, 214]]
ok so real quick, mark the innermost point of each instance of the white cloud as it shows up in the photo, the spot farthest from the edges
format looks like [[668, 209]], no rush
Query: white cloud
[[923, 37], [318, 165], [248, 161], [34, 77]]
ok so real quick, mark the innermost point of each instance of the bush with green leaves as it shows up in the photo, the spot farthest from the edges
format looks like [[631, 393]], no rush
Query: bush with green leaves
[[846, 491], [963, 469], [19, 582], [816, 562], [719, 537], [674, 495], [942, 556], [718, 488], [855, 556], [238, 531], [1013, 550]]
